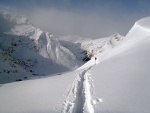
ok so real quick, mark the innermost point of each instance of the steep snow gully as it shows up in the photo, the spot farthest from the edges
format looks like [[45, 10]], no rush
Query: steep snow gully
[[79, 98]]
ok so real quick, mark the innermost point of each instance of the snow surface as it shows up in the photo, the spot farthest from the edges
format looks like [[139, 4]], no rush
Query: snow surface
[[123, 81], [116, 82]]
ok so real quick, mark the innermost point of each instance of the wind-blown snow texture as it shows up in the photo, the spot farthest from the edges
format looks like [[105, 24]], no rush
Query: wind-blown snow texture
[[117, 81]]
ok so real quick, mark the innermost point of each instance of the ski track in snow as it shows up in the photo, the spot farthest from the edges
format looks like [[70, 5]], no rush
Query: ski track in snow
[[79, 98]]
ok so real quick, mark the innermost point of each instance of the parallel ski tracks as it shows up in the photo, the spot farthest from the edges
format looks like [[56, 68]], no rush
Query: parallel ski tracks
[[79, 97]]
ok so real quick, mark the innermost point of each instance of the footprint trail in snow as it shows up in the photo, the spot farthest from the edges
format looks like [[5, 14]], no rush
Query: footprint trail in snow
[[79, 98]]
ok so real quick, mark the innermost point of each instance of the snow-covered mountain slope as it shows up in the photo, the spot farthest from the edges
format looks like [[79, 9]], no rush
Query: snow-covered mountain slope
[[32, 49], [73, 43], [85, 47], [37, 52], [44, 95], [116, 82], [122, 79], [140, 31], [68, 96]]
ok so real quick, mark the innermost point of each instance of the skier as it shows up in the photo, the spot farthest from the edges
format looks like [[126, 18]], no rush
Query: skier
[[95, 60]]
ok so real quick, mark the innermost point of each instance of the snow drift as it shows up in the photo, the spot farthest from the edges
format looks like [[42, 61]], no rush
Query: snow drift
[[122, 80]]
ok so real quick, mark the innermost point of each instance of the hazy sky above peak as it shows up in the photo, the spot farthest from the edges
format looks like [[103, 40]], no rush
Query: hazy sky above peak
[[86, 18]]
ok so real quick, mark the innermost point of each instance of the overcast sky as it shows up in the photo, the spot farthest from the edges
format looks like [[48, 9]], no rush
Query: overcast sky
[[86, 18]]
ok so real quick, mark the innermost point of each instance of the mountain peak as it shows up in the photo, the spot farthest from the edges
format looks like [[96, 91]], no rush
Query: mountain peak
[[31, 48], [14, 19]]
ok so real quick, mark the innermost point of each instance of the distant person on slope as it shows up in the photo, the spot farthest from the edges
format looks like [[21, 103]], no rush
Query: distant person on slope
[[95, 60]]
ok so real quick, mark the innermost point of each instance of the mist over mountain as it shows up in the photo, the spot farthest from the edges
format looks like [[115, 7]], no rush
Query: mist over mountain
[[42, 73]]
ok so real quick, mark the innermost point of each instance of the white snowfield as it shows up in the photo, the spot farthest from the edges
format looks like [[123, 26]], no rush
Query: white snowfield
[[115, 80]]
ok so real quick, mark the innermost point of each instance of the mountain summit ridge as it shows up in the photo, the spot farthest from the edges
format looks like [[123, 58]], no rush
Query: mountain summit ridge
[[24, 42]]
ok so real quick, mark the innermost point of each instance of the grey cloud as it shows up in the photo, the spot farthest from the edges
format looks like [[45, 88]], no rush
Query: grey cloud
[[92, 24]]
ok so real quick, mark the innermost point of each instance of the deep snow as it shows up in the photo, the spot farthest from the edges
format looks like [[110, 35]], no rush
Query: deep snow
[[116, 82]]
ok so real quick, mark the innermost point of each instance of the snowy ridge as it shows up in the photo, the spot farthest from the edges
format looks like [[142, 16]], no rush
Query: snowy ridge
[[30, 45], [140, 31], [144, 22], [100, 48], [123, 76]]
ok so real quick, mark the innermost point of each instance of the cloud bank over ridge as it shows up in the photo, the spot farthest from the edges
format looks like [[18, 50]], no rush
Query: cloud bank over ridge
[[87, 19]]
